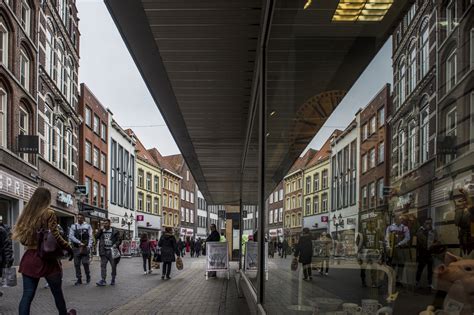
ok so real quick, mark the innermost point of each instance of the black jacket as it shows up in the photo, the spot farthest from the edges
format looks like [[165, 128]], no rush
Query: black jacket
[[100, 238], [304, 249], [6, 250], [169, 247], [214, 237]]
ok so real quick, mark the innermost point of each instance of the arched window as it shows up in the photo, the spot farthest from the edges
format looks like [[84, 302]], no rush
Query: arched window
[[48, 153], [165, 218], [176, 203], [25, 65], [59, 65], [424, 130], [25, 17], [412, 67], [402, 81], [49, 47], [411, 145], [176, 220], [23, 125], [3, 117], [424, 48], [170, 219], [401, 151], [4, 44], [299, 221]]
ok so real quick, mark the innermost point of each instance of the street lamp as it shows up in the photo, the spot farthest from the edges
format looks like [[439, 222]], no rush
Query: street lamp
[[339, 221], [129, 220]]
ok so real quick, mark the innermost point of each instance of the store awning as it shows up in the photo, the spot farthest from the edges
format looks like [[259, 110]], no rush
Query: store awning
[[198, 59]]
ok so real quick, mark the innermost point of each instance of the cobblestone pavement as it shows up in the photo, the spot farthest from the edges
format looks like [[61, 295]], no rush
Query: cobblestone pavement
[[135, 293]]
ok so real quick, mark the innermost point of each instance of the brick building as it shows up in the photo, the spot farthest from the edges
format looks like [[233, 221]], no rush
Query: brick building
[[58, 119], [374, 168], [275, 213], [93, 156]]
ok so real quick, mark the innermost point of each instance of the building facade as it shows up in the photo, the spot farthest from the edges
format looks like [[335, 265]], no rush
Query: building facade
[[275, 213], [93, 157], [171, 198], [317, 189], [202, 226], [148, 191], [58, 120], [343, 224], [122, 170], [374, 169]]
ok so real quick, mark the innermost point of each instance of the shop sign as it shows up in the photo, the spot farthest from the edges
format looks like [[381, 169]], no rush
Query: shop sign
[[369, 215], [351, 221], [189, 232], [65, 198], [81, 190], [325, 219], [273, 232], [98, 214], [114, 219], [28, 144], [404, 200], [15, 187], [140, 217], [280, 231]]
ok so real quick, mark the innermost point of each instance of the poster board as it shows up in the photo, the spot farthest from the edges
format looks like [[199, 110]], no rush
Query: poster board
[[217, 257], [125, 248], [251, 257]]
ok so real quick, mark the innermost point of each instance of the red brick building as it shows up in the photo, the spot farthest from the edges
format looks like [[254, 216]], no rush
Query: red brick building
[[93, 153]]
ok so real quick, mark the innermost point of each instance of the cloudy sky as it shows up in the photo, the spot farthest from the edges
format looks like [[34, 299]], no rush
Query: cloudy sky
[[109, 71]]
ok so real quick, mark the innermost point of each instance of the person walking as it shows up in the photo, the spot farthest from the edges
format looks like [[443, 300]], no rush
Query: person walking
[[304, 253], [326, 248], [146, 248], [80, 235], [197, 248], [37, 215], [426, 237], [181, 247], [397, 237], [169, 249], [6, 250], [213, 237], [108, 238], [284, 248], [192, 245], [279, 246]]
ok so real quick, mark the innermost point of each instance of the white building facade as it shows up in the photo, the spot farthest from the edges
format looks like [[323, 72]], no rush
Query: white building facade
[[202, 216]]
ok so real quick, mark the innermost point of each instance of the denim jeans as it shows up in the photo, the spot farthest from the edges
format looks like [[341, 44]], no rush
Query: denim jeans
[[29, 290], [146, 258], [103, 265]]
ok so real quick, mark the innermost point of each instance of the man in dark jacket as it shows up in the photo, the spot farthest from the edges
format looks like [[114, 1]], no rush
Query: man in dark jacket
[[108, 238], [304, 250], [213, 237], [6, 251], [169, 249]]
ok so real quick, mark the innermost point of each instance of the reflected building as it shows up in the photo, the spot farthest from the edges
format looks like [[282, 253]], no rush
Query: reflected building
[[275, 214]]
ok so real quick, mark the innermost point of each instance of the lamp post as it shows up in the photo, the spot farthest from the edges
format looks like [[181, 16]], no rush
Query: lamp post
[[129, 220], [337, 221]]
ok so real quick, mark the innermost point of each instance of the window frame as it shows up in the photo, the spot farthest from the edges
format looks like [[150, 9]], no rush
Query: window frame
[[3, 118], [25, 64], [451, 60]]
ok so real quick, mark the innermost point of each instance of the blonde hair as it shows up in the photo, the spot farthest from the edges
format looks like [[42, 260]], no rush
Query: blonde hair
[[32, 217]]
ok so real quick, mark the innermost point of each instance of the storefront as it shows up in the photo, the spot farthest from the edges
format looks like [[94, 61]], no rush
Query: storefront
[[94, 215], [317, 224], [150, 224], [373, 225]]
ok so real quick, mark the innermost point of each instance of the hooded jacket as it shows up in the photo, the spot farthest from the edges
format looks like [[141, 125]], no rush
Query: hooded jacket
[[169, 247]]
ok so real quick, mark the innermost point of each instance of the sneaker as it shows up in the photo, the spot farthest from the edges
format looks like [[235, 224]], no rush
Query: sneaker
[[112, 282], [101, 283], [88, 280], [145, 273], [162, 277], [168, 277], [327, 273], [150, 271], [78, 282]]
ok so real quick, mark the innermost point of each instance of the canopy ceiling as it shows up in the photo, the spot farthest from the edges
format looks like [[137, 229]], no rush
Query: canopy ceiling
[[198, 59]]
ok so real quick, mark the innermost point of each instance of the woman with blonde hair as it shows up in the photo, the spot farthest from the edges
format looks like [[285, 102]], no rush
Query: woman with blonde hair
[[37, 216]]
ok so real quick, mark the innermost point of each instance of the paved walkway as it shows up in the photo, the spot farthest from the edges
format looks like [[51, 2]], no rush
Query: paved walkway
[[187, 292]]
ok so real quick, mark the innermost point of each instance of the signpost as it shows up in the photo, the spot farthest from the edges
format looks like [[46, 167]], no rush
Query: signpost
[[217, 258]]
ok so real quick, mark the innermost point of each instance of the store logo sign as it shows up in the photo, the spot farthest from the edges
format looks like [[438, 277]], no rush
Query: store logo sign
[[140, 217], [12, 186], [65, 198]]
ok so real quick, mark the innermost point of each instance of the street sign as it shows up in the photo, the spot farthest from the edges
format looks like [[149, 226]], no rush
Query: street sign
[[28, 144], [81, 190], [325, 219], [140, 217]]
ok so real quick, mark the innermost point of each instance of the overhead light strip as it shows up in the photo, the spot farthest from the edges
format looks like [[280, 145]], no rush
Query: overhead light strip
[[361, 10]]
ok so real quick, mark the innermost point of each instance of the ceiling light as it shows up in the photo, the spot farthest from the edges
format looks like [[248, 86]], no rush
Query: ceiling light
[[272, 113], [361, 10]]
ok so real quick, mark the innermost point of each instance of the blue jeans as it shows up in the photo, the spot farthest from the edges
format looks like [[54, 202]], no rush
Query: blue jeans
[[29, 290]]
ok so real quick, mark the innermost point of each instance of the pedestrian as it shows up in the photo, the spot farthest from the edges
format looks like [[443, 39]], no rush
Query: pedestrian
[[187, 245], [108, 239], [213, 237], [169, 249], [197, 248], [426, 239], [181, 246], [192, 245], [6, 250], [284, 248], [397, 236], [325, 253], [80, 235], [279, 246], [222, 238], [146, 248], [37, 215], [304, 253]]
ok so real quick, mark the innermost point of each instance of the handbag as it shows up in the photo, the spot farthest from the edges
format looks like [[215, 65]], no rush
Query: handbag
[[48, 247], [83, 251], [294, 264], [115, 252], [9, 277], [157, 256], [179, 263]]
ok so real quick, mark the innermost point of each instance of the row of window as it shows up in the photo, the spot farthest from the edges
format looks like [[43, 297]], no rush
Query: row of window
[[275, 216], [122, 174], [145, 181], [276, 196], [99, 128], [170, 220], [97, 198], [171, 185], [187, 215], [144, 204], [249, 224], [95, 157], [187, 195], [294, 220], [170, 202], [372, 194], [316, 206], [370, 128], [344, 173], [294, 185], [293, 202], [369, 160], [202, 204], [315, 181]]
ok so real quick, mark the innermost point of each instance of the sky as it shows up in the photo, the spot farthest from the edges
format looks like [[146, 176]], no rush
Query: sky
[[107, 68]]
